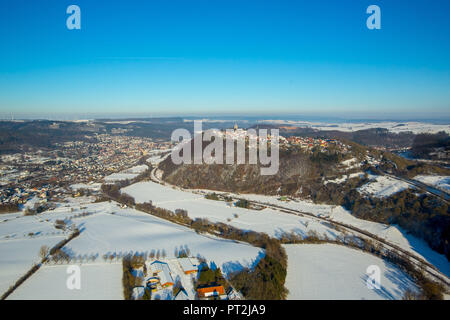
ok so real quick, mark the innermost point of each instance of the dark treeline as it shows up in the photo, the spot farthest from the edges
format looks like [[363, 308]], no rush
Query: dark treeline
[[113, 190], [19, 136], [426, 144], [9, 207], [242, 203], [424, 216], [129, 280], [212, 196], [264, 282], [209, 277]]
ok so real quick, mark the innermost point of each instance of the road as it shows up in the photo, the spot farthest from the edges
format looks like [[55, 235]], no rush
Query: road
[[444, 196]]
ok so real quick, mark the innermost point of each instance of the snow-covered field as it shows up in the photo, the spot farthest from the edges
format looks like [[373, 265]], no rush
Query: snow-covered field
[[351, 164], [21, 237], [136, 169], [106, 230], [120, 177], [98, 281], [345, 177], [329, 271], [157, 156], [127, 174], [267, 220], [392, 126], [383, 186], [90, 186], [270, 221], [110, 229], [275, 222], [395, 235], [440, 182]]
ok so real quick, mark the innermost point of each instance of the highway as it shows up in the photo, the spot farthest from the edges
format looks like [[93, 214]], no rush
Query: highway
[[444, 196]]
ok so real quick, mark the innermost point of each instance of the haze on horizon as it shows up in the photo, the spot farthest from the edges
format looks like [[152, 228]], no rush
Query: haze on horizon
[[224, 58]]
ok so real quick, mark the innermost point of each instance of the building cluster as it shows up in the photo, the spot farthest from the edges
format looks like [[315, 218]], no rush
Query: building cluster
[[242, 134], [308, 143], [161, 274], [20, 195], [43, 172]]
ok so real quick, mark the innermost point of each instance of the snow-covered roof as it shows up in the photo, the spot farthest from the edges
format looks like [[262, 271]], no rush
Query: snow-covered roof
[[187, 265], [163, 271]]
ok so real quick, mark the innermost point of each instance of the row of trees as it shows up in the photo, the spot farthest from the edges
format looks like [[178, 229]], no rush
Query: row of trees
[[9, 207], [212, 196], [113, 191], [242, 203], [129, 278]]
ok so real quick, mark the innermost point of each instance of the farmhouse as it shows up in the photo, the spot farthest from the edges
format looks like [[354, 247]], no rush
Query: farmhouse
[[211, 291], [187, 265], [162, 271]]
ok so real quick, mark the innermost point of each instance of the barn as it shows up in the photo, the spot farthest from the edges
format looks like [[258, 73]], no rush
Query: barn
[[162, 271], [187, 265], [211, 291]]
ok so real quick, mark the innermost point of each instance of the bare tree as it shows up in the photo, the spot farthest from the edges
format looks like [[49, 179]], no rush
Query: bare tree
[[43, 252]]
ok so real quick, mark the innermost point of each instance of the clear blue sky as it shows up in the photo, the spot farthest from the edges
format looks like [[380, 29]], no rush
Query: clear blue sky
[[225, 56]]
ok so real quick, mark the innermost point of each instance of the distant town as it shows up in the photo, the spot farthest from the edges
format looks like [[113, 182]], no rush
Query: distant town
[[47, 175]]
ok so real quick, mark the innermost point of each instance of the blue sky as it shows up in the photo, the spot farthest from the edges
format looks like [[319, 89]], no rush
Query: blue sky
[[225, 56]]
